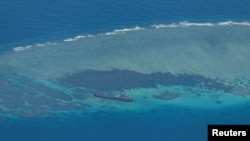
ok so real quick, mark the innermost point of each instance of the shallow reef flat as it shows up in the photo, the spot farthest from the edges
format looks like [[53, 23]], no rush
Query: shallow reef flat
[[200, 66], [215, 52]]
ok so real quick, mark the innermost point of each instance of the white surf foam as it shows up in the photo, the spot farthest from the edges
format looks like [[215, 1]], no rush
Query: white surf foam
[[164, 25], [22, 48], [188, 24], [118, 31], [156, 26], [18, 48], [230, 23], [77, 38], [72, 39], [69, 39]]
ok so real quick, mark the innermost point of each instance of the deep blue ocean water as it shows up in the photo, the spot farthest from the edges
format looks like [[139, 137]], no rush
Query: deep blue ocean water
[[29, 22]]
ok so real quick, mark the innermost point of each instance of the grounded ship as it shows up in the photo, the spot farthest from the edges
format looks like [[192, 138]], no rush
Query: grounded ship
[[119, 97]]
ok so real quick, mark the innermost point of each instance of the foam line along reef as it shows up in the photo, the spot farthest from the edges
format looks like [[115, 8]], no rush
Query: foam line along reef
[[218, 51], [124, 30]]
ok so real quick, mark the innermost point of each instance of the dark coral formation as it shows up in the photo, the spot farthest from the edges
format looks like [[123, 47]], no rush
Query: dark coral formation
[[125, 79], [166, 96]]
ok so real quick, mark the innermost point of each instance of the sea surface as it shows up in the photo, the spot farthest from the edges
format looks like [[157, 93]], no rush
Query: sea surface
[[185, 64]]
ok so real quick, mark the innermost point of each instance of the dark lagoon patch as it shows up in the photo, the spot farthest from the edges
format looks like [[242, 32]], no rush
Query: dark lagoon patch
[[166, 96], [120, 80]]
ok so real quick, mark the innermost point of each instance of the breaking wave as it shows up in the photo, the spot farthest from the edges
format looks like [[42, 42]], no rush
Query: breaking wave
[[181, 24]]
